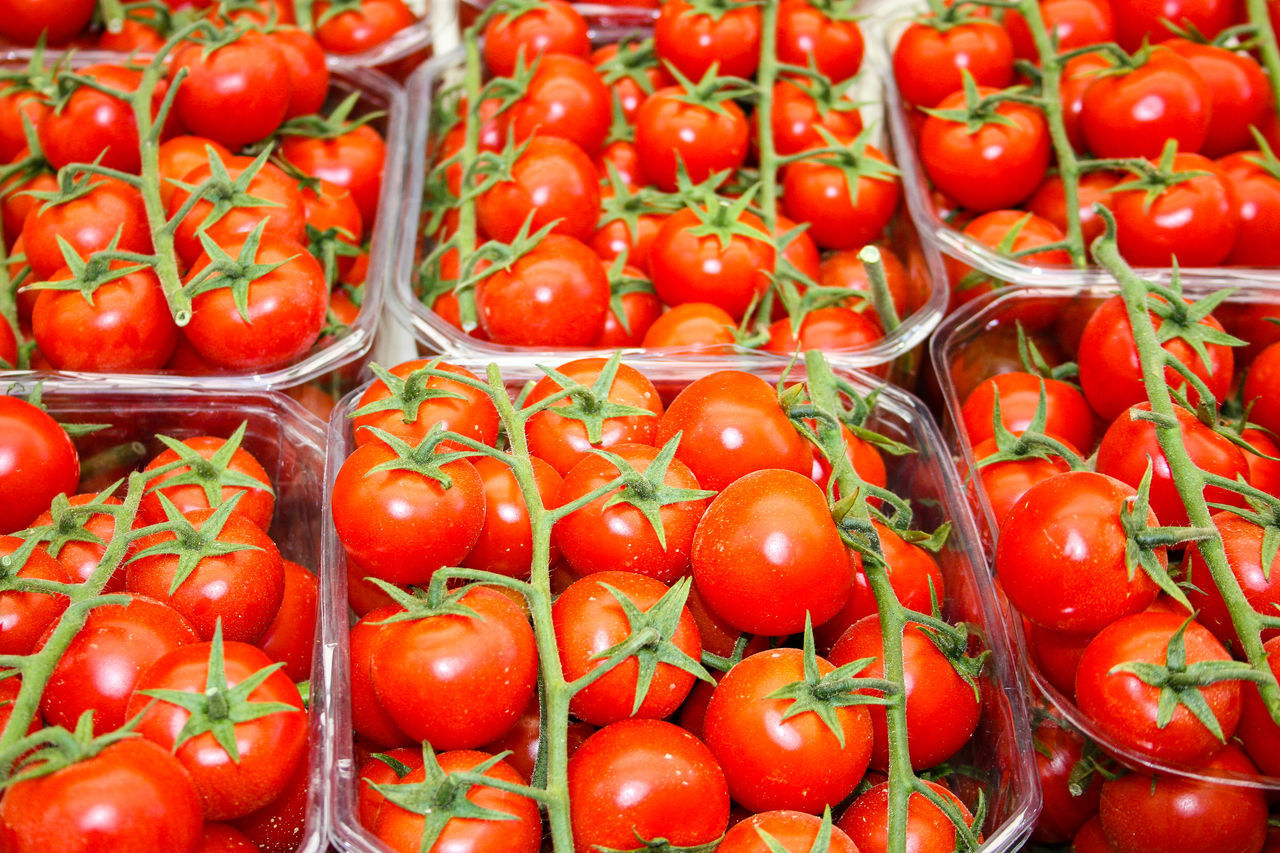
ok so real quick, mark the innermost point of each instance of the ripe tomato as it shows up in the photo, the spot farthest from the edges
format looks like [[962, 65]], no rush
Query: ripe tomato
[[796, 115], [1075, 23], [590, 620], [277, 826], [24, 616], [524, 740], [840, 216], [1007, 481], [308, 73], [557, 295], [595, 539], [1091, 838], [24, 21], [402, 830], [993, 230], [17, 205], [132, 795], [88, 223], [929, 830], [1259, 389], [795, 831], [1077, 76], [290, 638], [233, 94], [1170, 814], [256, 504], [565, 98], [430, 400], [767, 554], [268, 748], [694, 326], [401, 525], [827, 329], [690, 267], [225, 838], [1192, 221], [1058, 751], [1243, 542], [1049, 201], [93, 124], [181, 155], [731, 424], [1257, 731], [353, 160], [624, 65], [998, 165], [1125, 708], [369, 719], [670, 130], [37, 463], [375, 771], [103, 663], [693, 40], [1067, 412], [552, 27], [80, 558], [1256, 195], [1239, 94], [363, 27], [552, 179], [16, 102], [457, 681], [807, 30], [844, 269], [639, 780], [1132, 113], [505, 545], [641, 308], [1137, 20], [928, 59], [776, 763]]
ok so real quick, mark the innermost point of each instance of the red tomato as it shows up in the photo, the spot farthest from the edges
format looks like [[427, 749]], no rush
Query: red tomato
[[695, 326], [24, 21], [181, 155], [845, 269], [268, 748], [360, 28], [457, 681], [37, 463], [1077, 76], [841, 215], [88, 223], [24, 616], [640, 307], [929, 830], [1067, 412], [553, 27], [308, 73], [690, 267], [1132, 113], [505, 545], [557, 295], [290, 638], [422, 403], [1058, 751], [1056, 654], [1192, 221], [78, 557], [1258, 732], [1049, 201], [565, 98], [234, 94], [369, 719], [1243, 542], [1091, 838], [524, 740], [255, 504], [132, 795], [1061, 554], [375, 771], [693, 40], [1145, 19], [796, 115], [1260, 389], [642, 780], [1007, 481], [631, 75], [552, 179], [224, 838], [93, 124], [807, 30], [1256, 194], [796, 832], [669, 130], [590, 620], [1008, 232], [826, 329], [285, 213], [1264, 470], [928, 59], [1075, 23], [1240, 94], [277, 826], [353, 160], [767, 554]]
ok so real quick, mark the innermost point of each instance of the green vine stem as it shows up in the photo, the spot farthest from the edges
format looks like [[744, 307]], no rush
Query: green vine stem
[[1188, 478], [1265, 42], [766, 75]]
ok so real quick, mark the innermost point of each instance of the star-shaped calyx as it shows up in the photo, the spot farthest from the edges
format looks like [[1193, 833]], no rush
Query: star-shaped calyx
[[210, 475]]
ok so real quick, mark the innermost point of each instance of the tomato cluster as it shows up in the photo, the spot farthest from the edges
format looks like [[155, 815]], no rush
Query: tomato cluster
[[227, 235], [339, 26], [699, 187], [1144, 643], [152, 632], [634, 604], [1162, 113]]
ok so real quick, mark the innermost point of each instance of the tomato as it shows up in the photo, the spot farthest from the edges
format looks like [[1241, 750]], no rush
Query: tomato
[[632, 72], [93, 124], [423, 403], [1258, 732], [37, 463], [669, 130], [1110, 374], [1056, 654], [286, 308], [24, 21], [524, 740], [1075, 23], [841, 216], [690, 267], [1137, 20], [826, 329], [268, 748], [308, 73], [402, 830], [81, 557], [590, 620], [565, 98], [718, 637], [290, 638], [505, 544], [553, 27], [16, 205], [552, 179], [845, 269], [375, 771], [1256, 207], [1243, 542], [564, 441], [1239, 90], [224, 838], [353, 160], [369, 719], [1125, 708], [88, 223], [557, 295], [1192, 221], [795, 831], [1091, 838], [796, 117], [731, 424], [1260, 389], [233, 94], [1067, 412], [18, 103], [277, 826], [1264, 470], [928, 59], [457, 681], [641, 308], [360, 28], [1132, 113], [693, 325], [692, 40], [1049, 202], [997, 166], [1078, 75], [808, 29], [639, 780], [130, 796], [256, 504], [862, 455], [621, 156], [1171, 814], [103, 663], [929, 830], [181, 155], [767, 554], [1058, 751], [24, 616], [334, 223], [401, 525], [1005, 482], [776, 763]]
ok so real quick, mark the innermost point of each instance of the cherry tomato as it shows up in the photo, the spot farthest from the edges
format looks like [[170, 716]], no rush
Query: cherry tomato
[[690, 267], [1058, 751], [557, 295], [24, 21], [928, 59], [553, 27], [1137, 20], [693, 40], [308, 73], [565, 98], [811, 30], [431, 400], [840, 215], [37, 463], [1133, 112], [1049, 202], [233, 94], [796, 832], [88, 223], [929, 830], [505, 544], [1256, 208], [1067, 412], [796, 115], [24, 616], [256, 504], [669, 130], [551, 180], [356, 29], [93, 124], [1074, 23], [290, 638], [695, 326]]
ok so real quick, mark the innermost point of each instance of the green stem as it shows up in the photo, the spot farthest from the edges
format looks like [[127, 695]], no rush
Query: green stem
[[466, 236], [1266, 44], [881, 297]]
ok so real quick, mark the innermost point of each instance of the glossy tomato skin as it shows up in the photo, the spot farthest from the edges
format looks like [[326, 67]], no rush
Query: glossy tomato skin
[[1258, 732], [595, 539], [362, 28], [457, 681], [24, 21], [235, 94], [256, 504], [565, 98], [820, 194], [772, 763], [1260, 389], [767, 554], [551, 27], [1131, 114], [1144, 814], [225, 838], [505, 544], [1061, 559], [927, 60], [81, 558], [93, 123], [1067, 412], [731, 424], [453, 406], [24, 616], [1239, 90], [589, 620], [277, 826], [645, 778], [290, 638], [1049, 201], [105, 660], [1076, 23], [524, 740], [369, 719], [998, 166], [668, 131], [131, 797], [1257, 210], [39, 462], [795, 831], [375, 771], [1193, 221], [993, 230], [641, 310], [693, 326], [552, 179], [929, 830], [805, 30], [688, 267], [269, 748], [556, 295], [1144, 19], [354, 160], [692, 41], [88, 223], [285, 215], [1005, 482], [796, 117], [826, 329], [1058, 750], [308, 73], [1126, 708]]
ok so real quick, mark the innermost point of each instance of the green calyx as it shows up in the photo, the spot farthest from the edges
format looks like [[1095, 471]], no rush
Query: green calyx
[[190, 544], [1032, 443], [647, 491], [407, 395], [234, 274], [424, 459], [210, 475], [978, 110], [222, 192], [1154, 179], [591, 406]]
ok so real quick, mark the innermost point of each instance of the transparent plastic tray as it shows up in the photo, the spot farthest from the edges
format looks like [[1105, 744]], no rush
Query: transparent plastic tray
[[885, 24], [281, 435], [1001, 748], [379, 93], [608, 24], [962, 336]]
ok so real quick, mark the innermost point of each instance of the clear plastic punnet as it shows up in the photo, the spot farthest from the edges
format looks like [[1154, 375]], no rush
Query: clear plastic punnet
[[281, 435], [378, 93], [894, 353], [981, 341], [999, 752]]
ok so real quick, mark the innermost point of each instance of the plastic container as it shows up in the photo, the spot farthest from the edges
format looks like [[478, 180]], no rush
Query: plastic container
[[886, 22], [379, 93], [281, 435], [1001, 748], [973, 345], [608, 24]]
